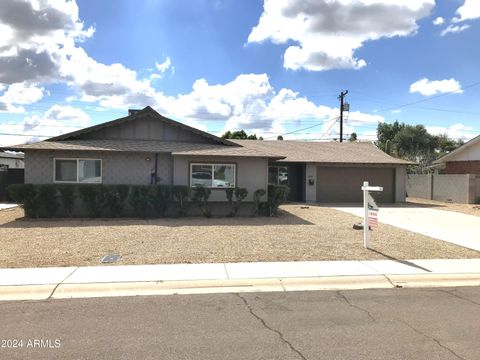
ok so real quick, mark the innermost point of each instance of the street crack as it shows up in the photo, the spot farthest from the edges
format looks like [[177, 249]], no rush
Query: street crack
[[342, 296], [431, 338], [268, 327], [453, 293]]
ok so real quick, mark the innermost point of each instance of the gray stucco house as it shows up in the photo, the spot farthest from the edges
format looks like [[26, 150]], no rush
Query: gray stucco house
[[148, 148]]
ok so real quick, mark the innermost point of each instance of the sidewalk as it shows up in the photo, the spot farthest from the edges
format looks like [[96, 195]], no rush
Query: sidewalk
[[130, 280]]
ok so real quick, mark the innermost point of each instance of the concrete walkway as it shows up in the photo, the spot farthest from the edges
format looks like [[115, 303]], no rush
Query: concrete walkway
[[456, 228], [97, 281]]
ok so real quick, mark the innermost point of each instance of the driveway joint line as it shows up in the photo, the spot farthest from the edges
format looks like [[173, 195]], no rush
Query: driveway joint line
[[226, 271], [265, 325]]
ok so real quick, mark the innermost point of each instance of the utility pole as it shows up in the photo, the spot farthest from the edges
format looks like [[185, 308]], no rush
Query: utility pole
[[341, 97]]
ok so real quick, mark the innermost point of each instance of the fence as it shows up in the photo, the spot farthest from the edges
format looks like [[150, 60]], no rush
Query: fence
[[9, 177], [464, 188]]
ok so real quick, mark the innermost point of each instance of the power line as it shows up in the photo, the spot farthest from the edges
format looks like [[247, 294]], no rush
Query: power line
[[294, 131], [427, 99]]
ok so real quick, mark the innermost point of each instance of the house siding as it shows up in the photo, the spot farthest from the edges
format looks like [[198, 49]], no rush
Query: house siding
[[463, 167], [117, 167], [251, 173], [146, 128]]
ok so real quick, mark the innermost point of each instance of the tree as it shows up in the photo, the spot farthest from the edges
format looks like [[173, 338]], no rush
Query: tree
[[353, 137], [414, 143], [239, 134], [279, 137]]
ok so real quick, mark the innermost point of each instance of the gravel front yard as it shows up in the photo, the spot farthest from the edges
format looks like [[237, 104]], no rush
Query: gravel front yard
[[314, 233]]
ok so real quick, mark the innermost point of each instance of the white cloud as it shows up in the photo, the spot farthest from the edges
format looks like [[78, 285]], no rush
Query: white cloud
[[468, 11], [456, 131], [162, 68], [19, 94], [438, 21], [453, 29], [55, 121], [427, 87], [250, 102], [35, 36], [328, 32]]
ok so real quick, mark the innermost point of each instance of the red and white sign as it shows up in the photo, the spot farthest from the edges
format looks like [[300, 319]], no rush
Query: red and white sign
[[373, 218]]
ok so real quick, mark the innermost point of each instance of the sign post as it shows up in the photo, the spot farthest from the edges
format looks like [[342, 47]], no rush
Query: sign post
[[368, 203]]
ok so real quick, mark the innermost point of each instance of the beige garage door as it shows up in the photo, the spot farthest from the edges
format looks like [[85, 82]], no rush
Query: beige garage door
[[342, 184]]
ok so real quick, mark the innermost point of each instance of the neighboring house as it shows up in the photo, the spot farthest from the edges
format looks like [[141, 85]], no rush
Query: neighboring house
[[148, 148], [11, 161], [463, 160]]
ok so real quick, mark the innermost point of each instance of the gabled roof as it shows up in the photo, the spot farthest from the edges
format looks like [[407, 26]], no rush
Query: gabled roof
[[472, 142], [147, 111], [324, 152], [147, 146]]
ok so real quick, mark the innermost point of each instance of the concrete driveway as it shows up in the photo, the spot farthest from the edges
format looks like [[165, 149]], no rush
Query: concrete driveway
[[456, 228]]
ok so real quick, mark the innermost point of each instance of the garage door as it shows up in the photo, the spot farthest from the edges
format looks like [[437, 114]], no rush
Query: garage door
[[342, 184]]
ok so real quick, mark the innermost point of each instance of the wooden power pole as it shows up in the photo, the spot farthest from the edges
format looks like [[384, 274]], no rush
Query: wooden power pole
[[341, 98]]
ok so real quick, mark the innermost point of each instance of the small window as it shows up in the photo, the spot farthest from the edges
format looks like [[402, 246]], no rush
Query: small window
[[78, 170], [89, 171], [66, 170], [212, 175], [278, 175]]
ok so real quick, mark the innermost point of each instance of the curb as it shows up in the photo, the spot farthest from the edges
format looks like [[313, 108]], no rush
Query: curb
[[186, 287]]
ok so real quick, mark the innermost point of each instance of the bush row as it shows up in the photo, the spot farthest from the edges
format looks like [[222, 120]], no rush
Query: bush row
[[97, 200]]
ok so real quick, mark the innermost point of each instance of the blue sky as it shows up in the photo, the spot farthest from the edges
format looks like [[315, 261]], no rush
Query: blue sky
[[270, 68]]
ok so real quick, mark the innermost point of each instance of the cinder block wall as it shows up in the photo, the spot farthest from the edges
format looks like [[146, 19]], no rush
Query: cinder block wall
[[453, 188], [464, 188], [419, 186]]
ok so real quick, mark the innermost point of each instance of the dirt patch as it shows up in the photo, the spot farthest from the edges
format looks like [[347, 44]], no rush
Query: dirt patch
[[314, 233], [469, 209]]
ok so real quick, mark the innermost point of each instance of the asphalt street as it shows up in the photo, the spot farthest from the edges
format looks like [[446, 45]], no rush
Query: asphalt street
[[442, 323]]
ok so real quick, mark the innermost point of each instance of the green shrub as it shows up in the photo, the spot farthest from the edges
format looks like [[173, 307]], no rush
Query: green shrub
[[115, 196], [200, 197], [26, 195], [180, 195], [161, 198], [93, 197], [277, 195], [47, 200], [139, 199], [257, 202], [240, 195], [67, 195]]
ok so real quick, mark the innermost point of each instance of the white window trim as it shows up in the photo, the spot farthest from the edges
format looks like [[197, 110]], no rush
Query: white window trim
[[76, 181], [213, 174]]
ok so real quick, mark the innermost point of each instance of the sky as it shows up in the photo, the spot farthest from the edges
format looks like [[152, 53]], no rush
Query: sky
[[273, 67]]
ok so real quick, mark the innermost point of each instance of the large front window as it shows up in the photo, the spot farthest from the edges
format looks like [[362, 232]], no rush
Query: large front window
[[78, 170], [278, 175], [212, 175]]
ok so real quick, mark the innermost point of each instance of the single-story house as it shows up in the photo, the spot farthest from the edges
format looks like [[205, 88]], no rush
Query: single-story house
[[148, 148], [11, 161], [463, 160]]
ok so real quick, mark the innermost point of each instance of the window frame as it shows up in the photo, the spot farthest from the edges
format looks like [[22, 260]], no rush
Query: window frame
[[278, 174], [213, 164], [78, 162]]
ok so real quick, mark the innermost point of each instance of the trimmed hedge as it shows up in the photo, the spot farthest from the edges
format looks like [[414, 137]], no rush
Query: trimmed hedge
[[95, 200], [277, 195]]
